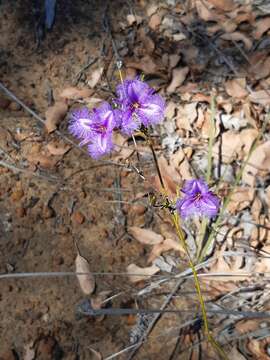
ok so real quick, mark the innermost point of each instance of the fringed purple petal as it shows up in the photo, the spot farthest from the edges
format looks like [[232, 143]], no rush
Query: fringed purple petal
[[106, 116], [198, 200], [186, 207], [152, 110], [101, 145], [80, 123]]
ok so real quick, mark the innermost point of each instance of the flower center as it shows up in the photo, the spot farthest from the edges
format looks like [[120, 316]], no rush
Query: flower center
[[101, 129], [198, 196], [135, 105]]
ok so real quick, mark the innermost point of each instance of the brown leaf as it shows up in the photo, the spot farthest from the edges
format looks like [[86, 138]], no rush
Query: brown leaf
[[261, 97], [226, 5], [145, 64], [141, 273], [96, 354], [186, 115], [166, 245], [236, 88], [238, 36], [44, 161], [97, 302], [240, 199], [55, 149], [54, 115], [204, 12], [73, 93], [261, 69], [257, 348], [95, 77], [145, 236], [29, 351], [178, 77], [154, 21], [259, 162], [261, 26], [87, 281], [245, 326]]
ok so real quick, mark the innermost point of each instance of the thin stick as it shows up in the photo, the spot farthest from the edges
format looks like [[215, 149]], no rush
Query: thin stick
[[28, 172], [156, 163], [155, 319]]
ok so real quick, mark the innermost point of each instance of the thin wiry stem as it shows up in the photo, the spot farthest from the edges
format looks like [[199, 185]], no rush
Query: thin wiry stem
[[210, 338]]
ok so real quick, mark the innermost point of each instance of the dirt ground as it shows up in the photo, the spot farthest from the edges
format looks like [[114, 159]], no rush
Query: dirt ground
[[55, 202]]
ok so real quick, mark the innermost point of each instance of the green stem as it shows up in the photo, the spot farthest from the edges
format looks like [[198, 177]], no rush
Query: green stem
[[209, 336]]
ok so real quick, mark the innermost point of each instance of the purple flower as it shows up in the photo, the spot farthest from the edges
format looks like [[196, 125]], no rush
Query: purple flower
[[198, 200], [95, 128], [80, 124], [139, 105]]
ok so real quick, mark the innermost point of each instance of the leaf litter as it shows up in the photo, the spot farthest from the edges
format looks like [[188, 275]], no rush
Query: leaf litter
[[187, 52]]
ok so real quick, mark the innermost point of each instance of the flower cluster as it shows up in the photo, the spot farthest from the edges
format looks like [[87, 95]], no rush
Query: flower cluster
[[136, 104], [198, 200]]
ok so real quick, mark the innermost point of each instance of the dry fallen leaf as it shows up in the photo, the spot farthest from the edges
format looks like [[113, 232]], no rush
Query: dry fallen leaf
[[43, 160], [261, 97], [238, 36], [97, 302], [96, 355], [236, 88], [261, 26], [259, 162], [154, 21], [240, 199], [87, 281], [226, 5], [141, 273], [178, 77], [73, 93], [54, 115], [55, 149], [145, 64], [166, 245], [261, 69], [186, 115], [204, 12], [145, 236], [29, 351], [95, 77]]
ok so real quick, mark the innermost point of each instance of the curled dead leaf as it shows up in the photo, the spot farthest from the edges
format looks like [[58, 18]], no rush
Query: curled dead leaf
[[145, 236], [166, 245], [54, 115], [137, 274], [178, 77], [87, 280], [73, 93]]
